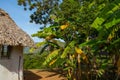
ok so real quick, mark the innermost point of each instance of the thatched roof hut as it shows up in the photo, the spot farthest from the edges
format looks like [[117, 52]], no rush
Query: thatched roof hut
[[11, 34]]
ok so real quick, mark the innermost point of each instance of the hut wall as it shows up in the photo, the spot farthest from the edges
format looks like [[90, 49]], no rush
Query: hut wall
[[12, 69]]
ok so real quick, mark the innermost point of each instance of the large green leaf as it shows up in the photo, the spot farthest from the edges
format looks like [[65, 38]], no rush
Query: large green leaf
[[87, 43], [109, 12], [48, 31], [114, 19], [40, 44], [93, 44], [68, 49], [51, 56]]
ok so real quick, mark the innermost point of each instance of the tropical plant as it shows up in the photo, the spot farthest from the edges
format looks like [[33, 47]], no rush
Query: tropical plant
[[90, 31]]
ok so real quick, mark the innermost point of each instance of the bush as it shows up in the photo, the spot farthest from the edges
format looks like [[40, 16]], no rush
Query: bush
[[34, 61]]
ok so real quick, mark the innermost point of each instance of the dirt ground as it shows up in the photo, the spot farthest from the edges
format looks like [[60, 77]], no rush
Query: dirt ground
[[35, 74]]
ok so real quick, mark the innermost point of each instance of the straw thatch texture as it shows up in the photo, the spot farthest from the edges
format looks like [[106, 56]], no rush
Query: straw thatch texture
[[11, 34]]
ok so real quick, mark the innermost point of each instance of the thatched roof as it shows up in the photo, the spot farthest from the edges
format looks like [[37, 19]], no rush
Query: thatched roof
[[11, 34]]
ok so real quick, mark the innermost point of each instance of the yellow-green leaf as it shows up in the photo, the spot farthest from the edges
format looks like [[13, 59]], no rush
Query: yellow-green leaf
[[51, 56]]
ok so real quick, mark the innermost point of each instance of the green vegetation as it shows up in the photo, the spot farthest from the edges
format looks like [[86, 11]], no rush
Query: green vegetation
[[34, 58], [90, 30], [34, 61]]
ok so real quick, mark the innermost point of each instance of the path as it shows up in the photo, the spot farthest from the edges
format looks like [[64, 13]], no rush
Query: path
[[36, 74]]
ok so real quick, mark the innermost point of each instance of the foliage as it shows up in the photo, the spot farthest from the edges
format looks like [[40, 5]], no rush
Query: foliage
[[51, 56], [42, 9], [90, 31], [34, 61]]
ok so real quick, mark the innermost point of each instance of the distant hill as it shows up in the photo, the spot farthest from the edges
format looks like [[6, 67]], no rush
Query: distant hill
[[26, 49]]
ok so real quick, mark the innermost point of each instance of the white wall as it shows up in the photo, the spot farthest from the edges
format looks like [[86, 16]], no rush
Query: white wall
[[12, 69]]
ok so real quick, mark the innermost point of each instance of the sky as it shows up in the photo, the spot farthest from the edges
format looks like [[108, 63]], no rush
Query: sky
[[20, 17]]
